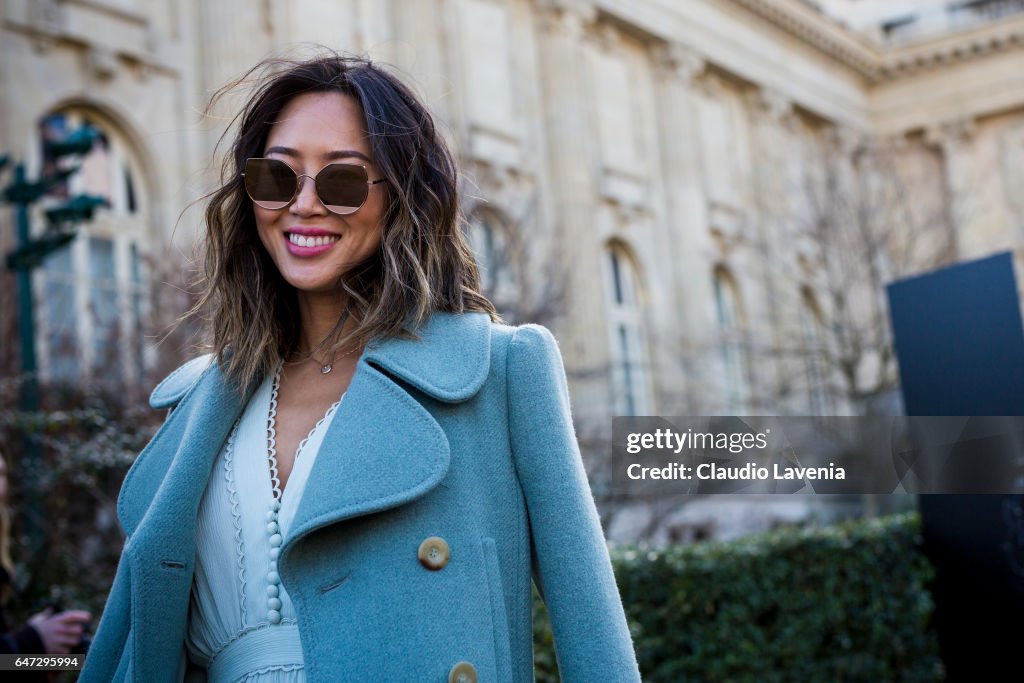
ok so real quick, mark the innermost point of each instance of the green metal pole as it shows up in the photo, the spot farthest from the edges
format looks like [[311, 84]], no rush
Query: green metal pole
[[29, 386], [29, 394]]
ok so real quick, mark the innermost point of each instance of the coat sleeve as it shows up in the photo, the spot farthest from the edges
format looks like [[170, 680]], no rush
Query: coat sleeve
[[571, 565], [111, 640]]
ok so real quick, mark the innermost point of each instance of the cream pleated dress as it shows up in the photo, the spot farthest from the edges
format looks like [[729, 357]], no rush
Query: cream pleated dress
[[242, 623]]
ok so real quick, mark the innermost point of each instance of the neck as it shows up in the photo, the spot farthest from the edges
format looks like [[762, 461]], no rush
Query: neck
[[319, 313]]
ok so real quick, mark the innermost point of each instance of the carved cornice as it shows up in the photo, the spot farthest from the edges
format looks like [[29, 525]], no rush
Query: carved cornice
[[676, 60], [882, 63], [960, 47], [771, 104], [814, 29], [951, 134], [846, 140], [607, 37], [572, 17], [49, 23], [101, 63]]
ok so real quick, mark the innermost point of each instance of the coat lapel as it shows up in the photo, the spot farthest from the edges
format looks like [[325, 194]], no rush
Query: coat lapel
[[383, 448]]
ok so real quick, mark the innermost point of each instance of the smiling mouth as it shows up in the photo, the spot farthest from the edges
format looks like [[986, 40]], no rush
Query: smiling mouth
[[311, 240]]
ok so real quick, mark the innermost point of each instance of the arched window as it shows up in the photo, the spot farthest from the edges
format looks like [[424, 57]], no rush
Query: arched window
[[93, 297], [106, 170], [629, 365], [500, 262], [731, 352], [816, 373], [482, 240]]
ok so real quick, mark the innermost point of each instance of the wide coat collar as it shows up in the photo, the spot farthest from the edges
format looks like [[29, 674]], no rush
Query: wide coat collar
[[383, 448]]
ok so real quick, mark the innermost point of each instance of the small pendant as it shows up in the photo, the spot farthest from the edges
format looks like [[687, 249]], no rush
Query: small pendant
[[324, 369]]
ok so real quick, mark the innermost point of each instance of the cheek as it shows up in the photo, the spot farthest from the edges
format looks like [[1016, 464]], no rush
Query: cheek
[[376, 217], [373, 235], [264, 223]]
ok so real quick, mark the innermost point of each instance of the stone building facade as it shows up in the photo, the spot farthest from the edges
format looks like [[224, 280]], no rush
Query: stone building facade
[[635, 172]]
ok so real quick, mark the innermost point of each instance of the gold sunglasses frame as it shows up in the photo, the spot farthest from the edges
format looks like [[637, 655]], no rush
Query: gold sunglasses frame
[[298, 186]]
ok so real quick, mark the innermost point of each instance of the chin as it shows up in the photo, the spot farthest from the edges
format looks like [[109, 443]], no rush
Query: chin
[[317, 287]]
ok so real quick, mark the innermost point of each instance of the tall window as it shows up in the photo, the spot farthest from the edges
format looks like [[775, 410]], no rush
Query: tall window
[[816, 373], [93, 299], [103, 305], [731, 351], [630, 369], [482, 240], [500, 263], [60, 319]]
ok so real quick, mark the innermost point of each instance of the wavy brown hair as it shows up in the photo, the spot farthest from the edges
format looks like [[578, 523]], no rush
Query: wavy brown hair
[[424, 263]]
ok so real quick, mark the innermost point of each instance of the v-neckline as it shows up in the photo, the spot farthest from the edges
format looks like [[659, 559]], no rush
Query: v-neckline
[[271, 432]]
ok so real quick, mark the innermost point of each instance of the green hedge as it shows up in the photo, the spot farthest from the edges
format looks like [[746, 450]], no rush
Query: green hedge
[[841, 603]]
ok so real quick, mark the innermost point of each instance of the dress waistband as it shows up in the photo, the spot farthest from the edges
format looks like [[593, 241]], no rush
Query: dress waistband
[[261, 649]]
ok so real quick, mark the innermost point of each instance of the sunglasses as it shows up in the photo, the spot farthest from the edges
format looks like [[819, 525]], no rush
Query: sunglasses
[[272, 184]]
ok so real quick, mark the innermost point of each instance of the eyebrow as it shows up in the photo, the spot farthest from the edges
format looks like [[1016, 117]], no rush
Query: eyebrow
[[338, 154]]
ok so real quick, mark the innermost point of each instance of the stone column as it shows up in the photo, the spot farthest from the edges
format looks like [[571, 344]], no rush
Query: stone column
[[233, 37], [770, 292], [685, 231], [953, 138], [228, 30], [569, 141]]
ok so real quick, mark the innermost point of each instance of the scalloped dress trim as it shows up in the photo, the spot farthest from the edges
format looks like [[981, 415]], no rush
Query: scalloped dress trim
[[236, 516], [275, 481]]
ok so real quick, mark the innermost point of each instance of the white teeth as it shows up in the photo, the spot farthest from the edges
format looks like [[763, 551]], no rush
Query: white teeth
[[309, 241]]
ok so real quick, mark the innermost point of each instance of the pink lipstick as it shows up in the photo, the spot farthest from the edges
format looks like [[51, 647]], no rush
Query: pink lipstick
[[307, 242]]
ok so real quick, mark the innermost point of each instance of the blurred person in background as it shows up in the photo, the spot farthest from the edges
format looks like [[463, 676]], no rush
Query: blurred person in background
[[49, 631]]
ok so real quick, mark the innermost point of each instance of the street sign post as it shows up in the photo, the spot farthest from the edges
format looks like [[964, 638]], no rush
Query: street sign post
[[29, 253]]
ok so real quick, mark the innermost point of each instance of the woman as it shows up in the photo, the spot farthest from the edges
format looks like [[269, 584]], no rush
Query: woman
[[49, 631], [357, 485]]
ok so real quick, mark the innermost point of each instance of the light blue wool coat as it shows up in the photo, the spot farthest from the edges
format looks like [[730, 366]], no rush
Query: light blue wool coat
[[464, 434]]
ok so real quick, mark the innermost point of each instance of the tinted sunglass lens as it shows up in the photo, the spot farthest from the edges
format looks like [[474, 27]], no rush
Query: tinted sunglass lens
[[342, 187], [270, 183]]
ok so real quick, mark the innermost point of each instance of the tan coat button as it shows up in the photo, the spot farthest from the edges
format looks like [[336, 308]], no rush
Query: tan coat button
[[463, 672], [434, 554]]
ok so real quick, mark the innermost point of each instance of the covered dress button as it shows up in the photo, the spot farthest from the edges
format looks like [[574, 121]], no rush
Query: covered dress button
[[463, 672], [434, 554]]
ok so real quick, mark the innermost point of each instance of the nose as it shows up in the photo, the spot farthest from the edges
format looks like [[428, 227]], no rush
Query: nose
[[307, 203]]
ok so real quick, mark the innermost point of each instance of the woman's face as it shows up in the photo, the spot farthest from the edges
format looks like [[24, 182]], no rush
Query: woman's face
[[313, 130]]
